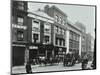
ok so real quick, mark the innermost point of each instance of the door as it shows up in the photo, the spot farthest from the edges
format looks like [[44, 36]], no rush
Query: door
[[18, 55]]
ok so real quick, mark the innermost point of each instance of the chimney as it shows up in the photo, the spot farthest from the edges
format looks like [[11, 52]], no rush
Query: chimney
[[46, 8]]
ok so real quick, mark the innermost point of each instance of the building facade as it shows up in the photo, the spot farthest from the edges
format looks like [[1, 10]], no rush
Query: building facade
[[89, 45], [19, 32], [75, 38], [40, 35], [59, 30], [83, 31]]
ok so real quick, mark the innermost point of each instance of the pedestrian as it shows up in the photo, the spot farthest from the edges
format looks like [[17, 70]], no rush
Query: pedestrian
[[28, 68], [84, 62]]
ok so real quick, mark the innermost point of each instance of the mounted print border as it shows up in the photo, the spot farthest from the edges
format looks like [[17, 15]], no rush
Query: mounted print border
[[52, 37]]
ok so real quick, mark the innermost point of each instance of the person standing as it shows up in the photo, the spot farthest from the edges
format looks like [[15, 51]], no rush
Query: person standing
[[28, 68], [84, 62]]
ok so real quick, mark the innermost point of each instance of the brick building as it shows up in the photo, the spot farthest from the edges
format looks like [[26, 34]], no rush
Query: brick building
[[19, 32]]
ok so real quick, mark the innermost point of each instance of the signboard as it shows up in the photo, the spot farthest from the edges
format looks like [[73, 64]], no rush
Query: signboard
[[33, 47], [19, 26]]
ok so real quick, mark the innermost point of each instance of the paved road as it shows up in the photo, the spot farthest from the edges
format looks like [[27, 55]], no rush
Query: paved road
[[37, 68]]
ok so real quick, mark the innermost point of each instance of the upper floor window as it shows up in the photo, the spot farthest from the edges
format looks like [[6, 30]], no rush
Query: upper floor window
[[57, 18], [63, 41], [20, 20], [21, 5], [60, 31], [63, 31], [47, 28], [35, 25], [47, 39], [56, 29], [56, 41], [60, 42], [60, 20], [35, 37], [63, 22], [20, 35]]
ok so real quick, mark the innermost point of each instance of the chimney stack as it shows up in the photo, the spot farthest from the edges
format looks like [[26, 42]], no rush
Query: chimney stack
[[46, 8]]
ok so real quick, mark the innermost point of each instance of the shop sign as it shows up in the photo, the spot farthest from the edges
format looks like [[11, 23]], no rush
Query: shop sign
[[19, 26], [33, 47], [18, 45]]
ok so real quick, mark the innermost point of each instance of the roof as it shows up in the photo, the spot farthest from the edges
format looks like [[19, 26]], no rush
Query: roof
[[59, 10], [73, 25], [40, 13]]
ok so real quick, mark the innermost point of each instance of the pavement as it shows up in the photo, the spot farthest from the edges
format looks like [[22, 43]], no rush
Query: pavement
[[42, 68]]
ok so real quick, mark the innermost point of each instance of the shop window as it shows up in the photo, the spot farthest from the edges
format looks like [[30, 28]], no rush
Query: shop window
[[21, 5], [20, 35], [20, 20]]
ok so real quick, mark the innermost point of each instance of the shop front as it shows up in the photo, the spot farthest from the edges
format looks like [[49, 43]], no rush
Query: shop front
[[18, 54], [35, 52], [49, 50], [59, 52]]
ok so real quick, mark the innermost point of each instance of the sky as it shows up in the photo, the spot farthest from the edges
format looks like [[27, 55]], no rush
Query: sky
[[83, 14]]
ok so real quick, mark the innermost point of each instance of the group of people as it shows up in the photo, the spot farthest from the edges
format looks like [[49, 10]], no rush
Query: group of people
[[69, 58]]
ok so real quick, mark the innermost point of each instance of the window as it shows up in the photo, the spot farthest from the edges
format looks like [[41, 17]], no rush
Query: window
[[35, 37], [60, 31], [60, 42], [47, 28], [70, 44], [71, 35], [56, 29], [60, 20], [63, 42], [46, 39], [35, 25], [20, 35], [63, 22], [56, 41], [63, 31], [21, 5], [20, 20], [57, 18]]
